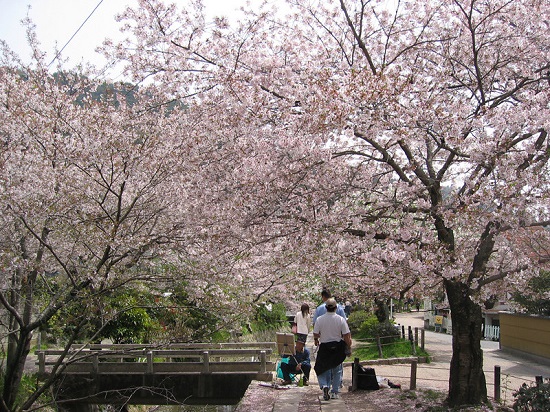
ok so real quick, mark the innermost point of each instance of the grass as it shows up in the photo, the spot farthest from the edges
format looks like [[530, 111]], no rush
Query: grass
[[399, 349]]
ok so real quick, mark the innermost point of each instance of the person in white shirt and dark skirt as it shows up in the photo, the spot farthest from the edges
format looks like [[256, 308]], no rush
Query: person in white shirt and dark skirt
[[303, 323]]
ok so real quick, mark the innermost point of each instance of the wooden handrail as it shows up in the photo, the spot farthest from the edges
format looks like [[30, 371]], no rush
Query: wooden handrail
[[83, 360]]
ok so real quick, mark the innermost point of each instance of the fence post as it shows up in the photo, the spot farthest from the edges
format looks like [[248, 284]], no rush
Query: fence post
[[497, 383], [416, 336], [410, 333], [403, 331], [206, 361], [538, 380], [422, 338], [150, 362], [41, 362], [379, 344], [414, 365], [354, 369], [413, 348], [262, 361]]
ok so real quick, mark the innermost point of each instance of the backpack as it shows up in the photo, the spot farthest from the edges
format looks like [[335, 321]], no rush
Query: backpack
[[366, 378]]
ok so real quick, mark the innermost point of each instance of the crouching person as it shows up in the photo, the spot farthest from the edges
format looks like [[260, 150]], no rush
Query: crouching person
[[299, 363]]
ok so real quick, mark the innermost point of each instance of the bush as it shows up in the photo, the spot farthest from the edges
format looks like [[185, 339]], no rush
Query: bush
[[131, 323], [387, 332], [356, 320], [368, 329], [371, 328], [269, 318], [532, 398]]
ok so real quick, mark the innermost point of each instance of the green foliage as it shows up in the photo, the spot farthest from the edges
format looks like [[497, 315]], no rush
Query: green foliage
[[356, 320], [180, 319], [372, 329], [131, 322], [29, 385], [387, 332], [532, 398], [139, 314], [75, 317], [266, 319], [532, 298]]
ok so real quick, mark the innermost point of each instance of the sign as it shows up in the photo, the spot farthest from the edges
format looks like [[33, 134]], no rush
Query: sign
[[439, 320]]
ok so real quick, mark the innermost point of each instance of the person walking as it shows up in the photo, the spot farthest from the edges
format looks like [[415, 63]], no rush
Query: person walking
[[321, 309], [332, 335], [303, 323]]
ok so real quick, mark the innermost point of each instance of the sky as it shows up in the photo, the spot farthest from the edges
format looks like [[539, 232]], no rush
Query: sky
[[58, 20]]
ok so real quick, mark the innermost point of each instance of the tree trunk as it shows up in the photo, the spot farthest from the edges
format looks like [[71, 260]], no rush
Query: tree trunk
[[467, 384], [18, 350]]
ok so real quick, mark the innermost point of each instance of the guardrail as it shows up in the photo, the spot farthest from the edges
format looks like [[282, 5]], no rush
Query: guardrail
[[149, 359]]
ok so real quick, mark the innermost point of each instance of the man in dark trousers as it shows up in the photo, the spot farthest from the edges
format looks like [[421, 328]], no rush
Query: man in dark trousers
[[332, 335], [300, 362]]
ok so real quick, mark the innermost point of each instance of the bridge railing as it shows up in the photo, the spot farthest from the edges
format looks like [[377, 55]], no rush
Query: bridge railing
[[149, 359]]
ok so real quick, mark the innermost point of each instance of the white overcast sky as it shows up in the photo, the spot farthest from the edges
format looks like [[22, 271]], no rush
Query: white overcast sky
[[58, 20]]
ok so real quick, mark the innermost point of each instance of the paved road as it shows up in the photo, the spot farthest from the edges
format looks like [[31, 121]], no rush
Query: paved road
[[514, 369]]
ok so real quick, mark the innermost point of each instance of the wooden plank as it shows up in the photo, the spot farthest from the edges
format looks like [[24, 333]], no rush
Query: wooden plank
[[172, 367], [160, 353]]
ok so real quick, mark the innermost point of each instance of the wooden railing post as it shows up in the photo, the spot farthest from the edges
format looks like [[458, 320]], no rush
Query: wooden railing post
[[263, 361], [414, 365], [497, 383], [150, 362], [41, 363], [379, 344], [422, 338], [416, 336], [206, 362], [95, 363]]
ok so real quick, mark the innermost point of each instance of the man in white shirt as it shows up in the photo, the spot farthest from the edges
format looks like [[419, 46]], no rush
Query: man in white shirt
[[332, 335]]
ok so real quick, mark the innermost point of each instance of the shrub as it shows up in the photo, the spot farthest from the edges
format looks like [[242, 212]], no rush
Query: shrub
[[356, 320], [371, 328], [130, 324], [368, 329], [269, 318], [532, 398], [387, 332]]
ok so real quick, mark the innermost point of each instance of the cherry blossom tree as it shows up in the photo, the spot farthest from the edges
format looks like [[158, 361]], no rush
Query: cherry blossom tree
[[352, 142], [435, 115], [82, 207], [96, 193], [146, 185]]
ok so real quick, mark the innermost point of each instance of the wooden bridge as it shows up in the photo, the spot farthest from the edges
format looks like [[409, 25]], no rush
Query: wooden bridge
[[151, 374]]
